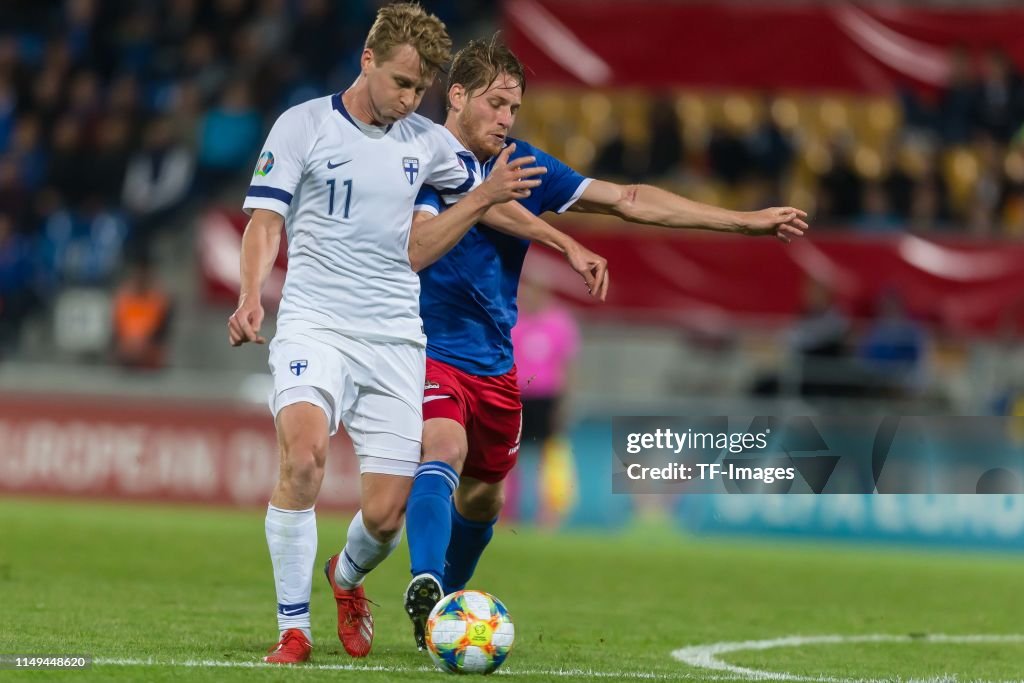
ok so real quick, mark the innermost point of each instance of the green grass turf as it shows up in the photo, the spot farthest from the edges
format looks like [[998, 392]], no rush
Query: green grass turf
[[180, 583]]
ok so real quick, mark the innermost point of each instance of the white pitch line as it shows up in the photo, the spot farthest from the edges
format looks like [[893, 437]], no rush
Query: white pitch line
[[707, 656], [564, 673], [700, 656]]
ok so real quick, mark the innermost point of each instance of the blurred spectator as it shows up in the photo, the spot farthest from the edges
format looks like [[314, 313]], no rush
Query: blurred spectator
[[247, 58], [17, 297], [28, 154], [931, 191], [84, 102], [203, 67], [229, 138], [141, 317], [926, 213], [14, 206], [897, 182], [124, 99], [225, 18], [107, 161], [8, 105], [158, 179], [1001, 97], [136, 41], [79, 28], [958, 102], [665, 145], [270, 33], [918, 115], [12, 71], [771, 152], [68, 161], [818, 349], [617, 158], [314, 38], [876, 213], [728, 156], [820, 340], [47, 96], [841, 187], [178, 20], [186, 101], [60, 58], [893, 348]]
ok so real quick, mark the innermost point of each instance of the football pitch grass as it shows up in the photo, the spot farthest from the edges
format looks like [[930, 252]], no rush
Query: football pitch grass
[[180, 593]]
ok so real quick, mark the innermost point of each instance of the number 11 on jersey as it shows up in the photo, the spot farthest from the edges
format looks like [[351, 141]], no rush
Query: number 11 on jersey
[[348, 197]]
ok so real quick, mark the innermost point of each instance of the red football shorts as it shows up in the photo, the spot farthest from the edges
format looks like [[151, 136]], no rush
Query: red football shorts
[[489, 410]]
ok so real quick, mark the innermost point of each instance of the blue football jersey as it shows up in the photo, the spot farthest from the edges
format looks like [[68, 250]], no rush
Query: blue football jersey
[[468, 297]]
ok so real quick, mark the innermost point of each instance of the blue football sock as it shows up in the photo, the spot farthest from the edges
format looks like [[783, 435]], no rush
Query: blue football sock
[[469, 539], [428, 517]]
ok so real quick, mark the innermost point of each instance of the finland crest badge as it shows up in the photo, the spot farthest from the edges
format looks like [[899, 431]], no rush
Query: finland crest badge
[[411, 166]]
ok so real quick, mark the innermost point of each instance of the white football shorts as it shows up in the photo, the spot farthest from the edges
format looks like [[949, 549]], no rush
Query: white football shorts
[[374, 388]]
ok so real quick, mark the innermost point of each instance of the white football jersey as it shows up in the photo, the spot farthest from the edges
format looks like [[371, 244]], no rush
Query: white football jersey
[[347, 200]]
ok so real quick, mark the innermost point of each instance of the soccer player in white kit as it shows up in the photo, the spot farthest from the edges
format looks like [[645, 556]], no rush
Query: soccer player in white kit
[[342, 173]]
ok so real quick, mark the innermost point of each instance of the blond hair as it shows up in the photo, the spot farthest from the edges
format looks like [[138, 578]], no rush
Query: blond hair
[[406, 23]]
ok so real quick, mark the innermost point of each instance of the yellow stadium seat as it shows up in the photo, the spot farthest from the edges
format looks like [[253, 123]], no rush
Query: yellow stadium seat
[[833, 115], [579, 151], [960, 166], [867, 162], [595, 112], [785, 112], [694, 120], [741, 112]]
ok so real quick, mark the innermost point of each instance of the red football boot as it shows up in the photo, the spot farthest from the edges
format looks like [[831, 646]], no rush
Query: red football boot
[[294, 648], [355, 623]]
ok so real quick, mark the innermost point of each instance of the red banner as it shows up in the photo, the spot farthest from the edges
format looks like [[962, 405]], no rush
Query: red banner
[[718, 282], [148, 450], [715, 282], [831, 45], [219, 246]]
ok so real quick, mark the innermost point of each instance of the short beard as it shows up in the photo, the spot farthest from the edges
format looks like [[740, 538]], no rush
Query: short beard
[[465, 124]]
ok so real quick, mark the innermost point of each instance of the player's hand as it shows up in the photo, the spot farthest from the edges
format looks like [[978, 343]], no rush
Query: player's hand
[[510, 180], [244, 323], [784, 222], [591, 266]]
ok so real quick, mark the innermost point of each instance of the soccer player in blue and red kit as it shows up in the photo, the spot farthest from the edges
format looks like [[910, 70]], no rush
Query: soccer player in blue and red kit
[[471, 405]]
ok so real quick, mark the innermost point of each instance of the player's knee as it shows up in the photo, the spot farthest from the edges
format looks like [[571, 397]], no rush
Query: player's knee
[[302, 464], [482, 504], [445, 445], [448, 451], [384, 524]]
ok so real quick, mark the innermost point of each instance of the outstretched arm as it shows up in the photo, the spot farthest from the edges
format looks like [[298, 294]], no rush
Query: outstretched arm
[[514, 219], [654, 206]]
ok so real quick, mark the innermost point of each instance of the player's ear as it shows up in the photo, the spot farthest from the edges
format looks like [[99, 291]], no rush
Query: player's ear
[[367, 61], [457, 97]]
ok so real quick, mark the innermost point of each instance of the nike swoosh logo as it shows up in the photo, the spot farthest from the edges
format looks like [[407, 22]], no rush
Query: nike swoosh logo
[[289, 612], [428, 399], [331, 166]]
